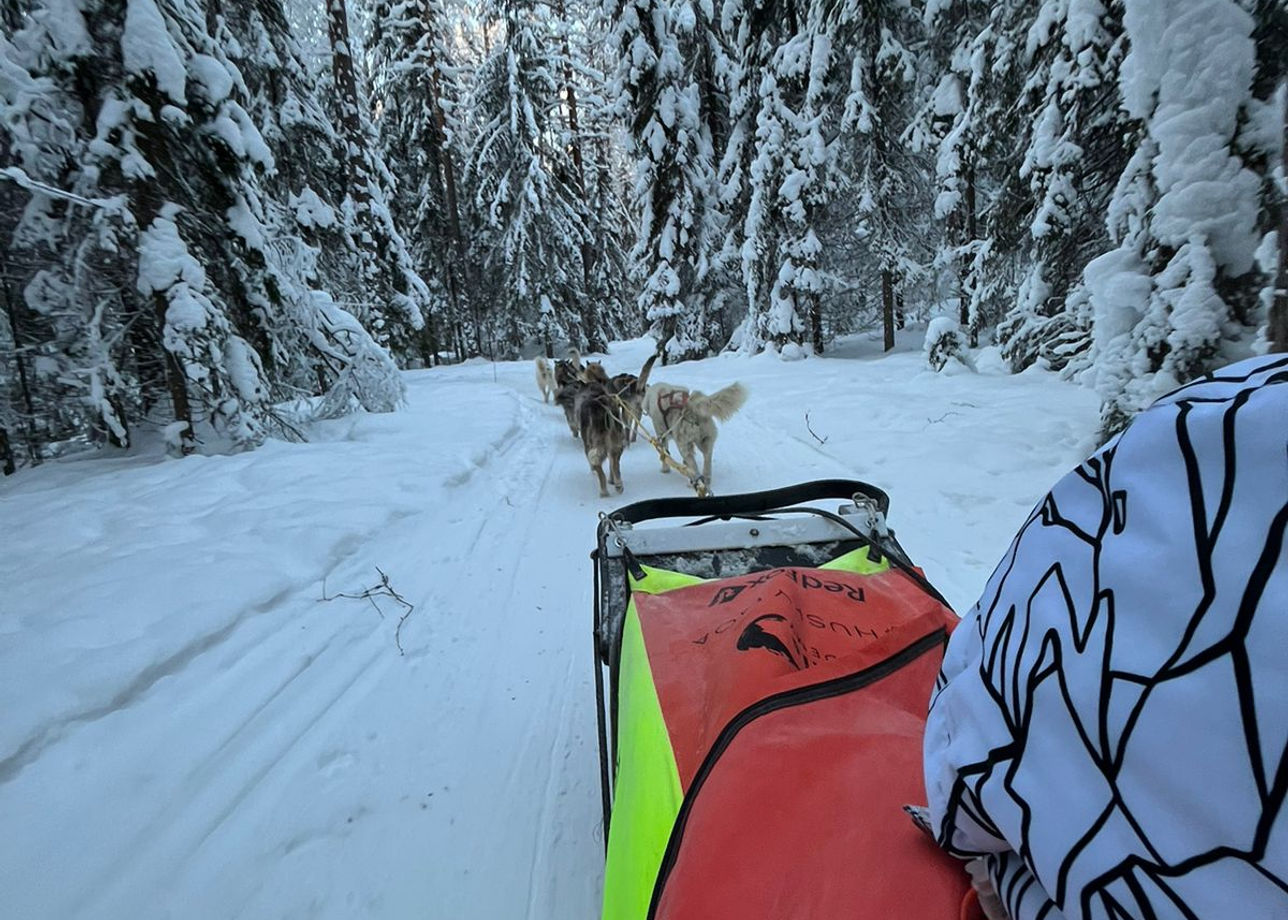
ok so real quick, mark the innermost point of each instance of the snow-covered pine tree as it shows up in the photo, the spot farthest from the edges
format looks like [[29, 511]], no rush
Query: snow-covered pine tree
[[753, 30], [1187, 215], [395, 298], [418, 91], [821, 96], [884, 179], [296, 240], [664, 88], [42, 399], [965, 120], [1266, 137], [1074, 133], [525, 186], [572, 80], [161, 267], [797, 106], [170, 138], [614, 223], [607, 171]]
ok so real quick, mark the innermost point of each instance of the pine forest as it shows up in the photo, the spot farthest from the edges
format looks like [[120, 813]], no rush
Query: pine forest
[[221, 219]]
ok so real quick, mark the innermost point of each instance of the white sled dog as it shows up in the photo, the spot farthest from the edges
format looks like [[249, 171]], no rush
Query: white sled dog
[[687, 417], [545, 379]]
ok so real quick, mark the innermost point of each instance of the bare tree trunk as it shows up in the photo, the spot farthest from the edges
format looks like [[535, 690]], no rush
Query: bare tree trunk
[[346, 85], [816, 322], [430, 344], [478, 329], [963, 302], [6, 453], [446, 170], [149, 200], [24, 385], [972, 234], [443, 153], [174, 377], [887, 307]]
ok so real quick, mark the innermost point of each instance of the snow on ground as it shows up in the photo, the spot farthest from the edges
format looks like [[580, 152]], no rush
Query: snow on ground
[[187, 730]]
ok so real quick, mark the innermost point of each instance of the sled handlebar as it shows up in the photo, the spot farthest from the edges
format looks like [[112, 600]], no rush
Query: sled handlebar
[[727, 506]]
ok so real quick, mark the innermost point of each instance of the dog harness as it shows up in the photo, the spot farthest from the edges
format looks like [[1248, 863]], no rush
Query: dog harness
[[671, 401]]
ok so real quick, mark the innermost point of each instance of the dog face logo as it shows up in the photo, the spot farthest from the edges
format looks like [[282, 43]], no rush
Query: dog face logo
[[772, 633]]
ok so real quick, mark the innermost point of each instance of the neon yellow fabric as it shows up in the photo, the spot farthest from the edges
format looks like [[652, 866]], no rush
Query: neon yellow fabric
[[659, 581], [857, 561], [647, 795]]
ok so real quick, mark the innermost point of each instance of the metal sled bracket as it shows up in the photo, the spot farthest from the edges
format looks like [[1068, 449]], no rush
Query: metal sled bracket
[[871, 517], [732, 535]]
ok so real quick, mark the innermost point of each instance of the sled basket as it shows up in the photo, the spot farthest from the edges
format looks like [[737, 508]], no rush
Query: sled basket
[[763, 667]]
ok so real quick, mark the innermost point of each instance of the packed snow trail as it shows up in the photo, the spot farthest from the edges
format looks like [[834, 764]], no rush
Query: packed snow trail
[[189, 730]]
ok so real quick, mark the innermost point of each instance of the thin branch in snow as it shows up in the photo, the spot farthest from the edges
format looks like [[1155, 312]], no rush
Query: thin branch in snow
[[936, 421], [821, 441], [383, 589], [365, 595]]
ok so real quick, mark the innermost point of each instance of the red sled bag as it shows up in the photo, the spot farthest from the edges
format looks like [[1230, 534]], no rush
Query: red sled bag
[[768, 732]]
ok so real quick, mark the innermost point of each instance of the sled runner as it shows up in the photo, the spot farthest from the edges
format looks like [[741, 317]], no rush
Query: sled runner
[[763, 671]]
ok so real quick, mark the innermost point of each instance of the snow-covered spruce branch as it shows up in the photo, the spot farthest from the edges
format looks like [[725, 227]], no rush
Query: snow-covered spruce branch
[[382, 589]]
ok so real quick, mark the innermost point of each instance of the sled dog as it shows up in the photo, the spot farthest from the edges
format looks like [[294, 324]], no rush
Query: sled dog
[[602, 423], [687, 417], [593, 372], [545, 379], [635, 401], [568, 383], [567, 370]]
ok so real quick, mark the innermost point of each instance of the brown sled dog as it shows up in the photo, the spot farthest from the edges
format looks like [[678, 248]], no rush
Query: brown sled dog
[[569, 380], [602, 423]]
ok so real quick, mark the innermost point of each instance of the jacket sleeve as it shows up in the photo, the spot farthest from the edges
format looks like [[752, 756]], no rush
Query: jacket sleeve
[[1110, 727]]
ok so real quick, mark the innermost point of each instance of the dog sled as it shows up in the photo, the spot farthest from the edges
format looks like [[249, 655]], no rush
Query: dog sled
[[763, 668]]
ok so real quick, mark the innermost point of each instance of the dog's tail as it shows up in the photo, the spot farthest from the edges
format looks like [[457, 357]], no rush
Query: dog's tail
[[542, 367], [721, 404], [574, 356], [641, 383]]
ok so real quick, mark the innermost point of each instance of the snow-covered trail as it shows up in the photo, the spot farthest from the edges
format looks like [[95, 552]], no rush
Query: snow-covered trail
[[287, 760], [189, 731]]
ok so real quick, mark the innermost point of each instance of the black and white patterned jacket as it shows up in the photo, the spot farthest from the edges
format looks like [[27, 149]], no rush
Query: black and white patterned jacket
[[1110, 728]]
